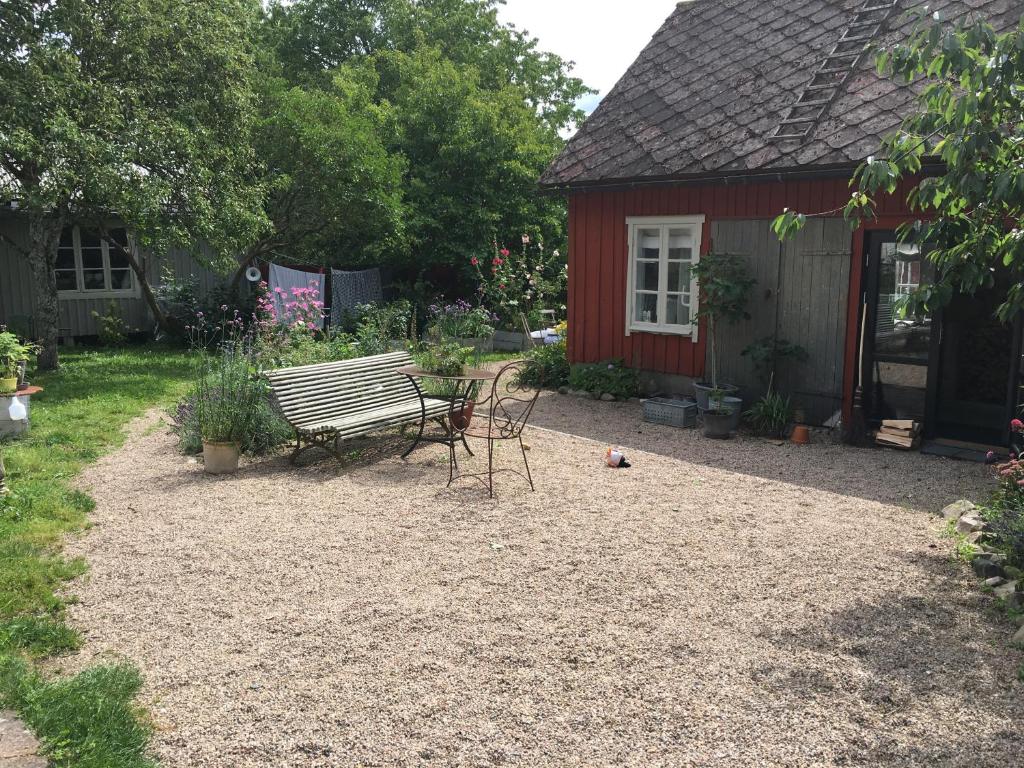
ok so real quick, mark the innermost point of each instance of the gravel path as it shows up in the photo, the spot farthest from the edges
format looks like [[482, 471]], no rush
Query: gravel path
[[719, 604]]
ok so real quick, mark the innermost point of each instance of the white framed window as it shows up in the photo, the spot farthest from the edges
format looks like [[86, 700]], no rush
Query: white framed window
[[88, 267], [661, 289]]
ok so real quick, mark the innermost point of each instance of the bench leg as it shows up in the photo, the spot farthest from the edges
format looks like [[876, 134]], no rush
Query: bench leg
[[329, 444], [423, 423]]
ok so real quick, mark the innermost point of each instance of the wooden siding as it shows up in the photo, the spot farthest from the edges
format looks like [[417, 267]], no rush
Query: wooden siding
[[598, 261], [16, 305]]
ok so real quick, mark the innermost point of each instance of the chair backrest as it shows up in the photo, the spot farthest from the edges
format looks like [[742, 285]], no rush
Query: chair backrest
[[511, 402], [310, 392]]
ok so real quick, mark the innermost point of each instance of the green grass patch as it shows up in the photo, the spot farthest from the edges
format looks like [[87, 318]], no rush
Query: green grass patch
[[87, 720]]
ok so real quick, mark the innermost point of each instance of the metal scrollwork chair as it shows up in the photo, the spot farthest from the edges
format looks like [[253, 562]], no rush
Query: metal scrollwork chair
[[507, 409]]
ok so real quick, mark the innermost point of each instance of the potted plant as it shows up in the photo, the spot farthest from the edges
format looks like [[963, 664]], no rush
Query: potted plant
[[724, 288], [770, 415], [227, 398], [12, 356], [449, 359]]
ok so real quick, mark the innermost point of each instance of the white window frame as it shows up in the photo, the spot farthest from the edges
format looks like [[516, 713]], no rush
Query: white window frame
[[81, 292], [663, 223]]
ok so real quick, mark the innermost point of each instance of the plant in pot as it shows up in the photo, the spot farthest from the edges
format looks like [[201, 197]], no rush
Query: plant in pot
[[449, 358], [773, 412], [13, 355], [462, 323], [724, 289], [770, 415], [228, 398]]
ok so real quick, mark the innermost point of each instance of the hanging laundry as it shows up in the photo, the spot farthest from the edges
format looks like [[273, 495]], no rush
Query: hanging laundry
[[350, 289], [283, 284]]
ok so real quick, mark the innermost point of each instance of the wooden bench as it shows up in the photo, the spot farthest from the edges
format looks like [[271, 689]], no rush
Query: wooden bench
[[331, 402]]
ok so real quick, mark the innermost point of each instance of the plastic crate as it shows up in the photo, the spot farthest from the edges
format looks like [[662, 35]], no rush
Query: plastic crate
[[675, 413]]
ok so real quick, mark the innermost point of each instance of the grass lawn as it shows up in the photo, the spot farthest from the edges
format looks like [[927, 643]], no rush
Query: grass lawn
[[87, 721]]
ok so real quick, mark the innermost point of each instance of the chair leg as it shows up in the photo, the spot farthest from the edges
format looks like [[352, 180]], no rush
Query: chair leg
[[490, 468], [451, 463], [298, 449], [464, 443], [527, 463]]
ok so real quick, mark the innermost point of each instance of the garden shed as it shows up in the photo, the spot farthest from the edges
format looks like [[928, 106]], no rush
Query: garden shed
[[733, 113]]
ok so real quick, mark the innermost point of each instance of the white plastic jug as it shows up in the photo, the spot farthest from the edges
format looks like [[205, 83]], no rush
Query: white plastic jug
[[17, 410]]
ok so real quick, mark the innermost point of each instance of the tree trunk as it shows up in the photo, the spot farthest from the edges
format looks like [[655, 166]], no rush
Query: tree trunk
[[140, 274], [43, 234]]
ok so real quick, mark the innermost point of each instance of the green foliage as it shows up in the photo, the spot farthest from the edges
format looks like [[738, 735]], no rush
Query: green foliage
[[767, 352], [228, 395], [12, 352], [521, 282], [609, 377], [381, 325], [111, 327], [459, 320], [88, 721], [546, 366], [447, 359], [770, 415], [724, 290], [967, 117], [290, 350], [471, 107]]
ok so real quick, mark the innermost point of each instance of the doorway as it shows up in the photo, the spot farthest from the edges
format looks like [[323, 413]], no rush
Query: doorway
[[953, 370]]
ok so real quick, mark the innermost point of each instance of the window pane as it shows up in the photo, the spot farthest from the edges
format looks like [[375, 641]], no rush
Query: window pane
[[646, 308], [67, 238], [65, 258], [680, 244], [66, 280], [93, 279], [679, 276], [92, 258], [117, 259], [648, 244], [120, 279], [647, 275], [119, 236], [677, 309]]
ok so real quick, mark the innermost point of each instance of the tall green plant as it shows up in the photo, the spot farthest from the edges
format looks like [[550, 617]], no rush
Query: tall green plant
[[228, 394], [724, 290]]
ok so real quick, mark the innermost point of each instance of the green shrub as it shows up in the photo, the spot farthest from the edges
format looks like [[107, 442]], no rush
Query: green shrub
[[382, 324], [295, 349], [546, 366], [770, 415], [111, 327], [610, 376]]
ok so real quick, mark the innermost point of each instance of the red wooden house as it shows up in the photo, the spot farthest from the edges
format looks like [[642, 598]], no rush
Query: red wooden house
[[736, 110]]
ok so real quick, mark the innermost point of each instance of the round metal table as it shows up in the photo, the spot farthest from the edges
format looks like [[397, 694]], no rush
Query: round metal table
[[453, 423]]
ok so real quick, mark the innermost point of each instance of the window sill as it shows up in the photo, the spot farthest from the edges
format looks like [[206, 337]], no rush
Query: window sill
[[83, 295], [665, 330]]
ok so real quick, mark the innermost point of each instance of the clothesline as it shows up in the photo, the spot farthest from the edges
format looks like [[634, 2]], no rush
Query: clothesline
[[345, 291]]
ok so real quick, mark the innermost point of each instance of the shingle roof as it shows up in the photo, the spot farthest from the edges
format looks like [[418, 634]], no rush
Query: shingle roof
[[716, 79]]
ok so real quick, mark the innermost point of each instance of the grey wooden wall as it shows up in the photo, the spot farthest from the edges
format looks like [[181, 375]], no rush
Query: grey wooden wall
[[801, 293], [16, 305]]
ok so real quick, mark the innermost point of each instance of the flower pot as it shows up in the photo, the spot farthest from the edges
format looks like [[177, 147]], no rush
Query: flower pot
[[702, 392], [220, 458], [801, 435], [510, 341], [718, 424], [8, 384], [733, 405], [481, 344], [461, 417]]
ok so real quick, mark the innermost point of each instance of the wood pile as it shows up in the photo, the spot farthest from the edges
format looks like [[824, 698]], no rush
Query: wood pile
[[899, 433]]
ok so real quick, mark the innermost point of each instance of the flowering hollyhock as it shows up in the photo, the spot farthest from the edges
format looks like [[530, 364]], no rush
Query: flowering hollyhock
[[505, 252], [474, 261], [1017, 425]]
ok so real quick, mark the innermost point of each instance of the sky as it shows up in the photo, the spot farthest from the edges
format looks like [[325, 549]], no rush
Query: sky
[[603, 37]]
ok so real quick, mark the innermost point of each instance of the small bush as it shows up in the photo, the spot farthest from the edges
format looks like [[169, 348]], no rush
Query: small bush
[[546, 366], [291, 350], [611, 377], [381, 325], [111, 327], [770, 415], [265, 431]]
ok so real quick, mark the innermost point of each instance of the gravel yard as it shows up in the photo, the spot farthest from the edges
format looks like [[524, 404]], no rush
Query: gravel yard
[[719, 604]]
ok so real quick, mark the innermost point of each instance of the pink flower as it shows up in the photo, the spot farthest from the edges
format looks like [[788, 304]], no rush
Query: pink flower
[[474, 261], [1017, 425], [505, 252]]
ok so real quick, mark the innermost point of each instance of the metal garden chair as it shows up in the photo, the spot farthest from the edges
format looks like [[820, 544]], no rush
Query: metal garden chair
[[507, 409]]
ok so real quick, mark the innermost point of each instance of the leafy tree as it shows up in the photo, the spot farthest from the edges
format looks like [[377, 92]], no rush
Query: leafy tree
[[474, 110], [971, 118], [139, 108], [331, 184]]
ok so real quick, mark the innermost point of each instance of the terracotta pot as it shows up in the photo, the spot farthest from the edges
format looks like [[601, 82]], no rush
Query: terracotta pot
[[220, 458], [463, 416], [8, 384], [801, 435]]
